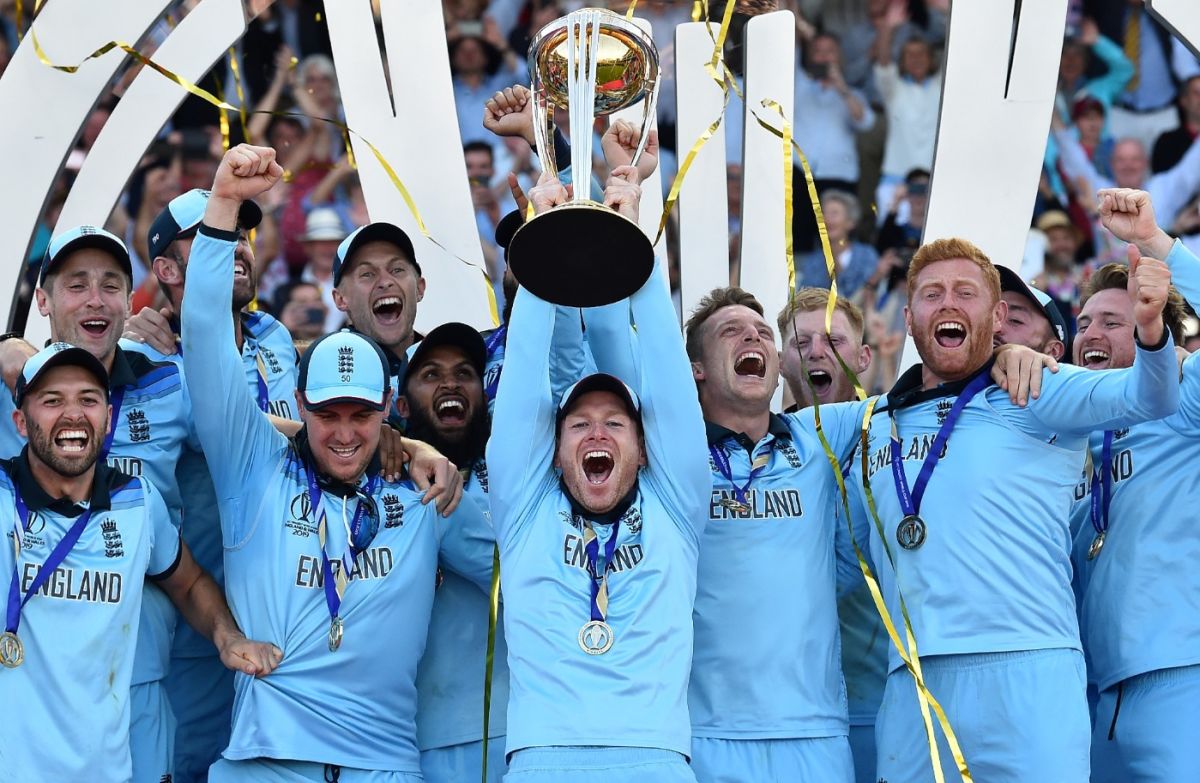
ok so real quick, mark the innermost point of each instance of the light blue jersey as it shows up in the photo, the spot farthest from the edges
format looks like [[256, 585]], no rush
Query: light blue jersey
[[767, 594], [994, 573], [151, 432], [355, 707], [635, 694], [450, 677], [1141, 601], [69, 701]]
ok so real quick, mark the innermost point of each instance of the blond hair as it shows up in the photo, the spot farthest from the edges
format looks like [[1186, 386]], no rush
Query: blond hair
[[808, 299], [715, 300]]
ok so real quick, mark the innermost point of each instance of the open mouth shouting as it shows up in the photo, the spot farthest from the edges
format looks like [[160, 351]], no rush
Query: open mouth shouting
[[95, 326], [950, 334], [387, 310], [241, 270], [821, 380], [598, 466], [451, 410], [1095, 358], [72, 441], [751, 363]]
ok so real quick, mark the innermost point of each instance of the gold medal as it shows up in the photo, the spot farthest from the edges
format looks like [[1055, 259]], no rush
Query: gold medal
[[335, 633], [12, 650], [735, 506], [1097, 545], [595, 637]]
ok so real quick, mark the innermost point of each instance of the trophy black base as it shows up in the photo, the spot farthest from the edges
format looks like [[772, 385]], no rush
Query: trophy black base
[[581, 254]]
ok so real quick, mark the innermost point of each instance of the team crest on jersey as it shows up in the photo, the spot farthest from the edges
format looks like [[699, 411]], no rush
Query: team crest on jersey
[[139, 426], [345, 362], [571, 520], [268, 356], [301, 507], [112, 538], [481, 474], [788, 451], [633, 520], [943, 410], [393, 511], [1118, 434], [491, 376]]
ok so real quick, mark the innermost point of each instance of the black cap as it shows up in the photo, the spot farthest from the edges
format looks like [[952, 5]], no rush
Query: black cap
[[373, 232], [507, 228], [56, 355], [1011, 281], [79, 238], [453, 334]]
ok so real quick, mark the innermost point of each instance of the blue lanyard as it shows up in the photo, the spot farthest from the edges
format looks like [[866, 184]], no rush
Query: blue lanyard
[[910, 501], [598, 575], [1102, 486], [317, 503], [15, 600], [115, 398], [723, 467], [494, 342]]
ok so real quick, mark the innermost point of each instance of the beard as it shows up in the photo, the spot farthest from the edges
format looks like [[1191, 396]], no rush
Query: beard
[[464, 449], [41, 444], [510, 295]]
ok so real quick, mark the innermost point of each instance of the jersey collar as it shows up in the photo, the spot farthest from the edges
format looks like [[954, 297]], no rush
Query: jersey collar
[[104, 483], [716, 433], [122, 374], [908, 392], [608, 517]]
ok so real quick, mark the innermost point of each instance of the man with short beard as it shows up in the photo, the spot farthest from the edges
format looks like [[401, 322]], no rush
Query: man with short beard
[[76, 585], [1135, 541], [85, 291], [973, 495], [443, 403], [1031, 317], [596, 501], [323, 552]]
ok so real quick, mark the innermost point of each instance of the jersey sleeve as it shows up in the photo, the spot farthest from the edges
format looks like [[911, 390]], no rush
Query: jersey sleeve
[[238, 439], [569, 359], [1079, 401], [520, 450], [468, 544], [613, 341], [672, 422], [165, 546], [841, 424]]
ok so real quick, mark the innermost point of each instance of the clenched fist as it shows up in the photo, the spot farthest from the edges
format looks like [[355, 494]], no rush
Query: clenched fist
[[1149, 285]]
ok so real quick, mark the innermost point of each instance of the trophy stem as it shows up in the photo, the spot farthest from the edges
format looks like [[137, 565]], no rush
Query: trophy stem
[[583, 47]]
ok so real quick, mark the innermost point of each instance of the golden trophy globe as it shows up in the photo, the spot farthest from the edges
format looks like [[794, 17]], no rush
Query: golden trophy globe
[[592, 62]]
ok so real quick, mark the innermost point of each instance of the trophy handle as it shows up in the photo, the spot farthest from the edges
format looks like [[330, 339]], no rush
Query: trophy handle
[[648, 108]]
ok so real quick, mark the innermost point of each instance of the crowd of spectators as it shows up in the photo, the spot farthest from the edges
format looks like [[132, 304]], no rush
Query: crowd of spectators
[[868, 85]]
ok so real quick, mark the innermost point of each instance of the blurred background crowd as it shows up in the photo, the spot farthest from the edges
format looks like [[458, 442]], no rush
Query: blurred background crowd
[[868, 86]]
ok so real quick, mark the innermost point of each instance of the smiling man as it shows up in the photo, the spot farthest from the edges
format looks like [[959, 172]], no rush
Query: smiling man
[[985, 570], [1031, 317], [323, 553], [597, 503], [76, 586], [378, 283], [1135, 558]]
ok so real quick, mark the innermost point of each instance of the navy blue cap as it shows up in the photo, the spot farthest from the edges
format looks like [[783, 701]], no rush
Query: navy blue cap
[[373, 232], [1011, 281], [78, 238], [456, 335], [183, 215], [599, 381], [56, 355]]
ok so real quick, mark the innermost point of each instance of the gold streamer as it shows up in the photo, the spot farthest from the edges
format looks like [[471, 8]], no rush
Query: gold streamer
[[722, 81], [211, 99], [489, 664], [908, 652], [629, 11], [237, 87]]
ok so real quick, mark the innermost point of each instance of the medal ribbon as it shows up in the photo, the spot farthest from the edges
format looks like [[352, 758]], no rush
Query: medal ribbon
[[910, 501], [335, 584], [494, 342], [115, 398], [1102, 486], [591, 546], [15, 600], [757, 466]]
